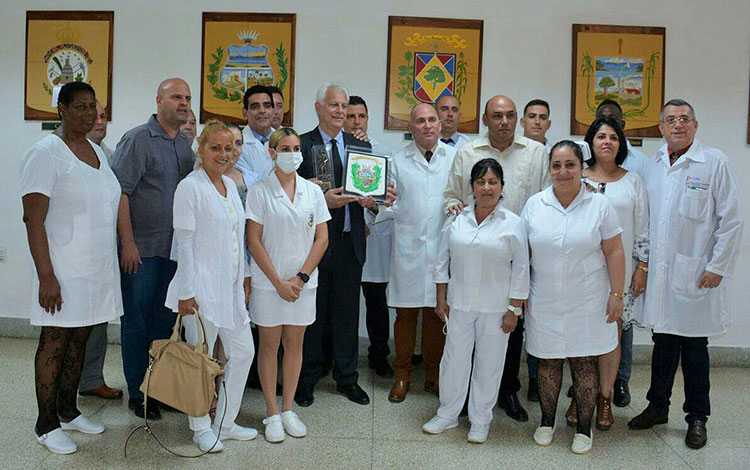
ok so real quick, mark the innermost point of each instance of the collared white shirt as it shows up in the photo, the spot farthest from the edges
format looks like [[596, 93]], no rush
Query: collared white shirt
[[488, 262], [255, 156], [695, 226], [81, 233], [288, 227], [525, 171], [569, 279], [418, 218], [377, 266], [457, 140], [635, 161], [209, 237]]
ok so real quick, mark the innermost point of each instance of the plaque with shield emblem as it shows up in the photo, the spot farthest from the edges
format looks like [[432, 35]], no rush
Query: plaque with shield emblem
[[323, 167], [366, 174]]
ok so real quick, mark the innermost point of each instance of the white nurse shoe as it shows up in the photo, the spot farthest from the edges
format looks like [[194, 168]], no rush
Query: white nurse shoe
[[84, 425], [57, 442], [582, 443], [292, 424], [439, 424], [544, 435], [478, 433], [274, 429]]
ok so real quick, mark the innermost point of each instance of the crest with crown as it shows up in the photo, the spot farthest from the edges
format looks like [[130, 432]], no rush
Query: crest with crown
[[248, 36]]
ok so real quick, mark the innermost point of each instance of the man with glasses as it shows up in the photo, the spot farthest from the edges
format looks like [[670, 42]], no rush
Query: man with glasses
[[695, 234]]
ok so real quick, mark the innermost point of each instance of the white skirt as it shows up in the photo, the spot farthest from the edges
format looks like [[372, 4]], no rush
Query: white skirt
[[268, 309]]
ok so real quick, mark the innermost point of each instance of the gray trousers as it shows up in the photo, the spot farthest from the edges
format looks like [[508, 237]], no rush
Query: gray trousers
[[93, 362]]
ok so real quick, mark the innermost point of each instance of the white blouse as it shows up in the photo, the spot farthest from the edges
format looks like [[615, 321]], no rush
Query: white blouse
[[288, 227], [569, 279], [488, 262], [211, 263], [81, 232]]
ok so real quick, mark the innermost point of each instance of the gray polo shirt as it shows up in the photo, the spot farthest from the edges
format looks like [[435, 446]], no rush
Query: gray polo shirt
[[149, 164]]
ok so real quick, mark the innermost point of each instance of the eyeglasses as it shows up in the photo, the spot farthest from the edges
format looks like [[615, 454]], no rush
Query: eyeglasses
[[671, 121]]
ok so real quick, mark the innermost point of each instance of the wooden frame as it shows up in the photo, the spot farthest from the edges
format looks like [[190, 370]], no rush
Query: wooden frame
[[441, 44], [223, 86], [70, 36], [629, 57]]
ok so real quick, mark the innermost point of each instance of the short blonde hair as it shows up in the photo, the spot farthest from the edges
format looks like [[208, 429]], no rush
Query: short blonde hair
[[212, 127], [279, 134]]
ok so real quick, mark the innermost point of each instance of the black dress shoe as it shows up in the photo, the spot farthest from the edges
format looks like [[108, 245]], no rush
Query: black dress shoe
[[533, 394], [696, 436], [381, 368], [509, 402], [304, 394], [136, 404], [354, 393], [648, 419], [621, 396]]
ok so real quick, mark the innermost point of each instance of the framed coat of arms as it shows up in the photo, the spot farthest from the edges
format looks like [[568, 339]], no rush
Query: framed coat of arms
[[620, 63], [241, 50], [429, 58], [63, 47]]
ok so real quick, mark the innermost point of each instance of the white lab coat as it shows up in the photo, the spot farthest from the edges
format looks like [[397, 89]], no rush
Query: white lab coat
[[255, 155], [81, 233], [696, 225], [488, 263], [417, 221], [211, 262], [569, 280]]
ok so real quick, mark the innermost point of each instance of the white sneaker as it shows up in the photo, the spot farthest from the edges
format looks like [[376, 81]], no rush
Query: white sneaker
[[582, 443], [292, 424], [206, 439], [236, 432], [478, 433], [84, 425], [57, 442], [274, 429], [438, 424], [544, 435]]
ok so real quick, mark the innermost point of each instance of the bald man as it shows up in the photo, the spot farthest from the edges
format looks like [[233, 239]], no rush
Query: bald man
[[449, 112], [149, 161], [420, 172], [526, 169]]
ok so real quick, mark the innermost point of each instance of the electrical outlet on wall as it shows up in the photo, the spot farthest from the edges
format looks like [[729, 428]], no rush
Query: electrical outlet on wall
[[3, 254]]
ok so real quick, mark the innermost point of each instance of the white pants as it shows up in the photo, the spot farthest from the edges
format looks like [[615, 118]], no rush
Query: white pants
[[239, 349], [483, 333]]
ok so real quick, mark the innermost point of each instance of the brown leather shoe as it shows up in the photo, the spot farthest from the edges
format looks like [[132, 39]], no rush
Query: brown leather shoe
[[398, 391], [432, 387], [571, 416], [604, 418], [103, 392]]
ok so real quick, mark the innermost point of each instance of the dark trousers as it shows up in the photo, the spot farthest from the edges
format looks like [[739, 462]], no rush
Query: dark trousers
[[668, 351], [92, 375], [377, 319], [337, 313], [510, 382], [145, 318]]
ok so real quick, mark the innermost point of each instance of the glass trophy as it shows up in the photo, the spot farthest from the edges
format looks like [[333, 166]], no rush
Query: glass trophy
[[323, 167]]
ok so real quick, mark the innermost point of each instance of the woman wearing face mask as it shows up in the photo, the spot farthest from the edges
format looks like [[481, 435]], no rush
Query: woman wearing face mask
[[287, 236], [577, 288], [212, 275]]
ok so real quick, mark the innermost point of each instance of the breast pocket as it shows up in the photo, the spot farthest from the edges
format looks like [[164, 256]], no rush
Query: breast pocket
[[694, 204], [687, 273]]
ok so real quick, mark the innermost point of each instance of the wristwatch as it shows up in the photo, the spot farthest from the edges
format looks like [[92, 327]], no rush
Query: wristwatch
[[304, 277], [517, 311]]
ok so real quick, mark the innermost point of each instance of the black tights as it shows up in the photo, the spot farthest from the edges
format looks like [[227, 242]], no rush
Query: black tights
[[585, 389], [57, 366]]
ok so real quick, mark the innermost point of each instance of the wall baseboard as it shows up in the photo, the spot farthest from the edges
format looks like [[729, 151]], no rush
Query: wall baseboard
[[721, 356]]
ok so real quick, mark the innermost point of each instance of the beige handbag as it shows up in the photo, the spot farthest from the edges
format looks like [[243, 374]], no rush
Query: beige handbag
[[182, 375]]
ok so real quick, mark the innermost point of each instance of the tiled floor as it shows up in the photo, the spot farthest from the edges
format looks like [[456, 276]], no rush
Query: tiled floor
[[383, 435]]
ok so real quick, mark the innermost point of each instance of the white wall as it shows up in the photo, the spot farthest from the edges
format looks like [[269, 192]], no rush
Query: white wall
[[527, 48]]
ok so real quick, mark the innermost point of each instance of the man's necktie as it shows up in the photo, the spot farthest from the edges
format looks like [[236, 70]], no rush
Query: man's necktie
[[428, 155], [338, 215], [448, 141]]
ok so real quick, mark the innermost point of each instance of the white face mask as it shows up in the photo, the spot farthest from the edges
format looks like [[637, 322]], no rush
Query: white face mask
[[288, 162]]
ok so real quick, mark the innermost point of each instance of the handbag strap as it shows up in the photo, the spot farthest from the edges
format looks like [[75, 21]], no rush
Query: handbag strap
[[200, 326], [150, 432]]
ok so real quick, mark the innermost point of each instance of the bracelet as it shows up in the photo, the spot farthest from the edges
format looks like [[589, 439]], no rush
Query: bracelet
[[618, 295], [643, 268]]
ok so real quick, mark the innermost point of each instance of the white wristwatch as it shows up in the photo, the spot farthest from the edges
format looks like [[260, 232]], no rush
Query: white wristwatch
[[517, 311]]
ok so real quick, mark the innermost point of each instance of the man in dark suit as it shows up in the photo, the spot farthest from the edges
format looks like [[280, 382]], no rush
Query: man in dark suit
[[340, 270]]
